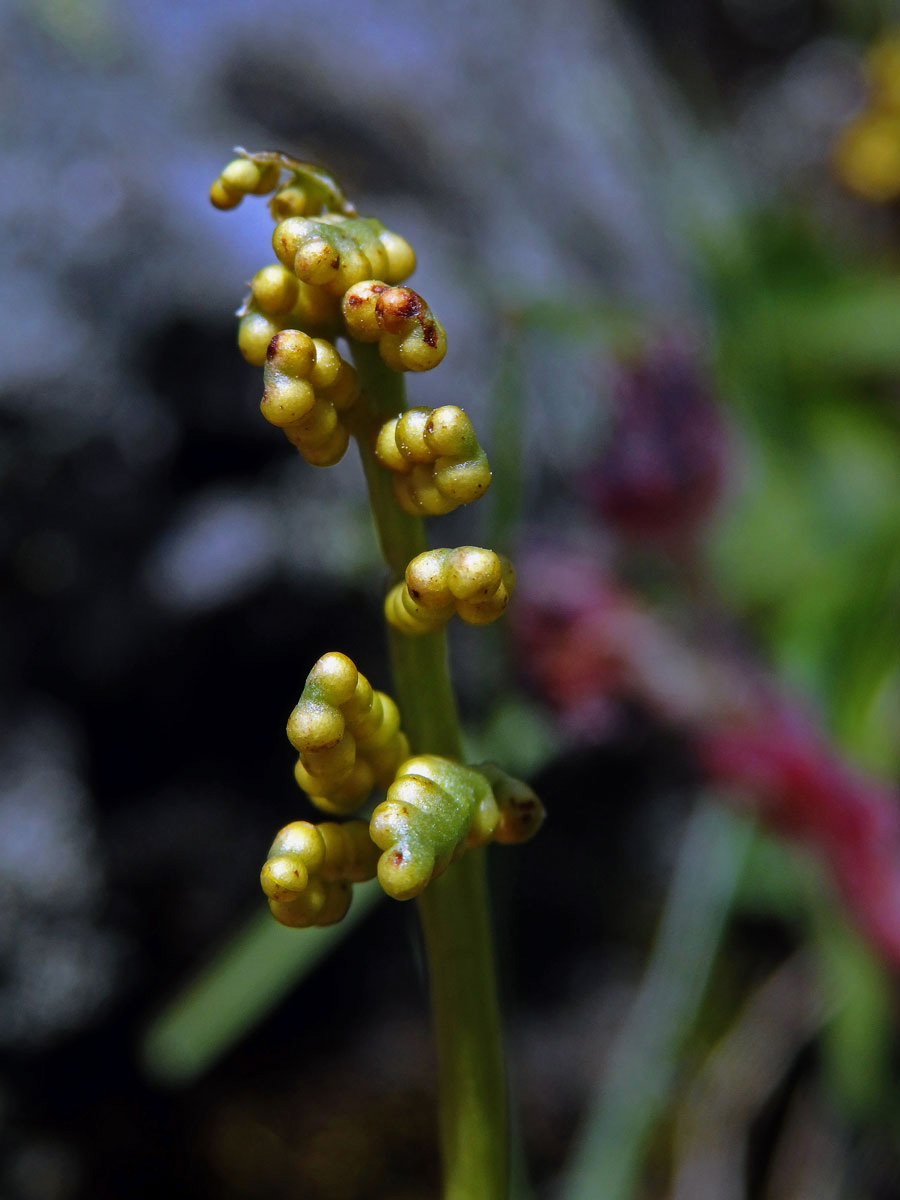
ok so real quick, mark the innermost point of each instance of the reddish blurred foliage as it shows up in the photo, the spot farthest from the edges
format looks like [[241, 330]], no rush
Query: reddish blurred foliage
[[663, 464], [590, 643], [803, 789]]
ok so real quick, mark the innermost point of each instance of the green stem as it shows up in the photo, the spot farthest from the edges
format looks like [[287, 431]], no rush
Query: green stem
[[472, 1102], [454, 908]]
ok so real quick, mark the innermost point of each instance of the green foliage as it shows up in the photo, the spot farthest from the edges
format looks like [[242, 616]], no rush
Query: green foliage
[[226, 999], [809, 547], [809, 550]]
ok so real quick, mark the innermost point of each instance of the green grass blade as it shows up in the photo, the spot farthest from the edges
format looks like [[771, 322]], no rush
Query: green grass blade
[[257, 968], [637, 1083]]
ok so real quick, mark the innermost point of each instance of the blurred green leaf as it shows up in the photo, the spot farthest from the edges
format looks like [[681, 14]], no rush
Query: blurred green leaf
[[633, 1092], [783, 880], [859, 1036], [852, 326], [583, 318], [810, 552], [867, 672], [87, 28], [777, 879], [250, 976], [516, 733]]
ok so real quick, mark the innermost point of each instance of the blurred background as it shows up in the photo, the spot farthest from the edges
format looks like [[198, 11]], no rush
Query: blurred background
[[664, 242]]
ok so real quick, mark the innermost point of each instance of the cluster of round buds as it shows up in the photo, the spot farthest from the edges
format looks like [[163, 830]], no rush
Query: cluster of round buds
[[521, 812], [309, 870], [307, 189], [347, 734], [436, 459], [244, 176], [307, 388], [435, 809], [278, 300], [867, 152], [324, 248], [338, 272], [334, 251], [408, 334], [471, 582]]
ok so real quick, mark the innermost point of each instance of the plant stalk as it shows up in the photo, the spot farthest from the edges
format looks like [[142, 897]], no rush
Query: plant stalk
[[454, 908]]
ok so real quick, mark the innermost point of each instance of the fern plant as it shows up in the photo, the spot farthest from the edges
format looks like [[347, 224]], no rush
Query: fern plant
[[342, 276]]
